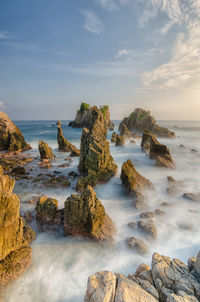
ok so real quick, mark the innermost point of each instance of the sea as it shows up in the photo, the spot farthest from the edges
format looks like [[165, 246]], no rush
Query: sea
[[61, 265]]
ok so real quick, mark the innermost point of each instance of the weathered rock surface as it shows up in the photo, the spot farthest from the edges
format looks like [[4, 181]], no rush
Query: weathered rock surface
[[96, 163], [84, 117], [125, 132], [140, 119], [156, 150], [120, 140], [114, 137], [167, 281], [11, 138], [138, 245], [85, 216], [148, 228], [46, 209], [192, 197], [45, 151], [133, 181], [64, 145]]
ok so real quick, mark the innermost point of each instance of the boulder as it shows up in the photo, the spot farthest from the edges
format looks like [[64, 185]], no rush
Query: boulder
[[11, 138], [192, 197], [140, 119], [120, 140], [85, 216], [133, 181], [114, 137], [148, 228], [138, 245], [45, 151], [64, 145], [147, 215], [46, 209], [156, 150], [125, 132], [96, 163]]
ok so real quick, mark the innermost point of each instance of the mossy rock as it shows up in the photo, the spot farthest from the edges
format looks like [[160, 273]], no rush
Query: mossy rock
[[45, 151]]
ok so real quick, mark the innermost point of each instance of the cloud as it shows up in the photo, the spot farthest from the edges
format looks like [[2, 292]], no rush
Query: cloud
[[124, 53], [3, 35], [107, 4], [92, 23], [1, 104]]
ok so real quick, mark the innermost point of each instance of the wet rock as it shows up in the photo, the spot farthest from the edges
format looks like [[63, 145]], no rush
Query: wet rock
[[96, 163], [181, 146], [159, 212], [132, 224], [125, 132], [73, 174], [120, 140], [148, 228], [138, 202], [45, 151], [171, 179], [147, 215], [140, 120], [85, 216], [132, 141], [166, 204], [45, 164], [133, 181], [138, 245], [12, 160], [29, 216], [194, 150], [141, 268], [28, 233], [191, 263], [52, 181], [63, 166], [64, 145], [114, 137], [197, 264], [185, 226], [191, 196], [46, 209], [11, 138]]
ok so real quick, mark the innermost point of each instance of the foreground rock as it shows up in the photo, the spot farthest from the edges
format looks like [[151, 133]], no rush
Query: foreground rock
[[12, 160], [64, 145], [133, 181], [167, 281], [45, 151], [85, 216], [156, 150], [96, 163], [140, 119], [84, 117], [15, 253], [11, 138]]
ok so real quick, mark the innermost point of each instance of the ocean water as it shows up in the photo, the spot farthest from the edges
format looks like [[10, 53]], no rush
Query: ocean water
[[61, 265]]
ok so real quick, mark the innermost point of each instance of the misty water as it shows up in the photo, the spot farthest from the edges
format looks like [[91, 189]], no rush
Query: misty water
[[61, 265]]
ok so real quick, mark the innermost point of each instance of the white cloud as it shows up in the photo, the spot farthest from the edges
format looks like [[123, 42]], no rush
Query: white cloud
[[92, 22], [107, 4], [1, 104], [124, 53]]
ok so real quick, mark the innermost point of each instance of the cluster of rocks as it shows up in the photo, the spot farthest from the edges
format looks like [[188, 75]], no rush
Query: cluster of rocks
[[140, 120], [168, 280], [84, 117], [125, 134]]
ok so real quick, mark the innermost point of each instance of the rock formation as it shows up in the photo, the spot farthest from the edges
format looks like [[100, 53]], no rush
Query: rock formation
[[120, 140], [167, 281], [96, 163], [125, 132], [84, 215], [133, 181], [156, 150], [11, 138], [64, 145], [84, 116], [15, 253], [140, 119], [45, 151], [114, 137]]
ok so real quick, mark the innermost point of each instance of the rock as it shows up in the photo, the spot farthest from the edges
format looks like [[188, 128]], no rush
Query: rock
[[132, 224], [194, 150], [148, 228], [159, 212], [171, 179], [59, 123], [181, 146], [132, 141], [197, 264], [166, 204], [52, 181], [140, 120], [45, 151], [138, 202], [29, 216], [156, 150], [28, 233], [147, 215], [11, 138], [141, 268], [191, 263], [84, 117], [114, 137], [191, 196], [64, 145], [73, 174], [181, 298], [46, 209], [11, 160], [85, 216], [138, 245], [120, 140], [125, 132], [133, 181], [96, 163]]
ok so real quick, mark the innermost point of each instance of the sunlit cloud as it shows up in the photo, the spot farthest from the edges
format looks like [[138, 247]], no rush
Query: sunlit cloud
[[92, 23]]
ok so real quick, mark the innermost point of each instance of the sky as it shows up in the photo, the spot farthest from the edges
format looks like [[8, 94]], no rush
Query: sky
[[54, 54]]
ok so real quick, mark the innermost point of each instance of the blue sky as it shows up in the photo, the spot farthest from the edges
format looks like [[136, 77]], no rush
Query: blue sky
[[125, 53]]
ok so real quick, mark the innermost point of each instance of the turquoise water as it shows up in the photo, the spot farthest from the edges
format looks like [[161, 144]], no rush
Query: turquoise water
[[61, 265]]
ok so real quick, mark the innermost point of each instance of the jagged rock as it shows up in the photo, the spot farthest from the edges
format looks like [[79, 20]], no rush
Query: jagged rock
[[59, 123], [148, 228], [171, 179], [191, 263], [140, 119], [45, 151], [138, 201], [120, 140], [85, 216], [29, 216], [197, 264], [84, 116], [12, 160], [114, 137], [156, 150], [127, 134], [192, 197], [14, 251], [138, 245], [11, 138], [64, 145], [52, 181], [28, 233], [134, 182], [96, 163], [181, 298], [46, 209]]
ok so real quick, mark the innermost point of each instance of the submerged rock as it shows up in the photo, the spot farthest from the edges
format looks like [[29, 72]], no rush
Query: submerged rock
[[138, 245], [156, 150], [148, 228], [96, 163], [85, 216], [11, 138], [45, 151], [84, 117], [64, 145], [140, 119], [192, 197]]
